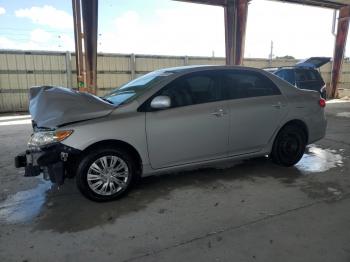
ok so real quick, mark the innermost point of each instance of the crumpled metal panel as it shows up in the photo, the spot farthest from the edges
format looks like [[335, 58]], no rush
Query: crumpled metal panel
[[52, 106]]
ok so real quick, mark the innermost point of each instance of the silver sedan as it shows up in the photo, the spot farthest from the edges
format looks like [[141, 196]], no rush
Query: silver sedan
[[168, 120]]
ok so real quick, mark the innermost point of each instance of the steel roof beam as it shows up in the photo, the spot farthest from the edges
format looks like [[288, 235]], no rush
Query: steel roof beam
[[320, 3], [317, 3], [206, 2]]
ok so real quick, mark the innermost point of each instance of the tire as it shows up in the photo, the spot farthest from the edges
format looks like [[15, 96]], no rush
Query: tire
[[89, 177], [289, 146]]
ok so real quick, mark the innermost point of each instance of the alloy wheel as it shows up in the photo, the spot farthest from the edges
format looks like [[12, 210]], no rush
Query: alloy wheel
[[108, 175]]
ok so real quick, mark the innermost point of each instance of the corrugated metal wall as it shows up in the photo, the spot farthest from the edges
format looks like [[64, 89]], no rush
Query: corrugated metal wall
[[20, 70]]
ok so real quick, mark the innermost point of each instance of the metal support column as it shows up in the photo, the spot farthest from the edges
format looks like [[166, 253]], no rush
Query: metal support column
[[85, 15], [236, 13], [339, 49], [78, 37], [90, 17]]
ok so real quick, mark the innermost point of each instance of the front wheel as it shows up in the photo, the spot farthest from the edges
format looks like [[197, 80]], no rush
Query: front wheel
[[289, 146], [105, 174]]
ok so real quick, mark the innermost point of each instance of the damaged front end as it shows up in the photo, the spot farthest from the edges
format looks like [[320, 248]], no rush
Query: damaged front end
[[45, 154], [52, 109]]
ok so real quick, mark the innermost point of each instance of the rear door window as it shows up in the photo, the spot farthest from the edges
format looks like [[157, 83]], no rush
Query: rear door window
[[309, 79], [307, 75], [315, 76], [243, 84], [301, 75], [311, 75]]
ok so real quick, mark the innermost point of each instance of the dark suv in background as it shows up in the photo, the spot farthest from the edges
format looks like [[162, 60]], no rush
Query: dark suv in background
[[304, 74]]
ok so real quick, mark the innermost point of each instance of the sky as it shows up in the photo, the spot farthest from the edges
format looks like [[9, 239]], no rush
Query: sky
[[166, 27]]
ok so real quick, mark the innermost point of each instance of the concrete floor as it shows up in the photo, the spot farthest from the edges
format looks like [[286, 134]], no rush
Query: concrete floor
[[251, 211]]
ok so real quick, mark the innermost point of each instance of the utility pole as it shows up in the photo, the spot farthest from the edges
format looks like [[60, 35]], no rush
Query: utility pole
[[271, 54]]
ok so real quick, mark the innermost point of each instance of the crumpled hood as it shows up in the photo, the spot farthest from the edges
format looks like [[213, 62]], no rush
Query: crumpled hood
[[51, 106]]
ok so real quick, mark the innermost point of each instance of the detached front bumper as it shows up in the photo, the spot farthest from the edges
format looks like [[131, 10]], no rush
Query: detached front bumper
[[52, 161]]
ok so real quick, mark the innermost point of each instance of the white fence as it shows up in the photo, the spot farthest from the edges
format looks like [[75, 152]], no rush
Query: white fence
[[19, 70]]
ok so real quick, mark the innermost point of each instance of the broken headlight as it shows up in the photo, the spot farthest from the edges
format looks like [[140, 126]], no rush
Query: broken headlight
[[48, 137]]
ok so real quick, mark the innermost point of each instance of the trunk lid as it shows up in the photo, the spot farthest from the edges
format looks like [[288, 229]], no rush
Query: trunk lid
[[52, 106], [313, 62]]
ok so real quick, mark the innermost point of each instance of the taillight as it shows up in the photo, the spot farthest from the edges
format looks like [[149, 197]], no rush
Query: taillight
[[322, 102]]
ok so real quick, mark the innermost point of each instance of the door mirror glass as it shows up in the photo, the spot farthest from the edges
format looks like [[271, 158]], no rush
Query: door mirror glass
[[161, 102]]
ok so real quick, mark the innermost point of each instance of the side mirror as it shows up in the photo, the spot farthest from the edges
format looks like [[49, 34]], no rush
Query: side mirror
[[161, 102]]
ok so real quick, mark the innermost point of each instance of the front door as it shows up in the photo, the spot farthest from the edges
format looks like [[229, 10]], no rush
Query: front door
[[194, 128]]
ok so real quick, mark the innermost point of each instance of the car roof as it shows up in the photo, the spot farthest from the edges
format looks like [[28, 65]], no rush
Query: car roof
[[195, 68]]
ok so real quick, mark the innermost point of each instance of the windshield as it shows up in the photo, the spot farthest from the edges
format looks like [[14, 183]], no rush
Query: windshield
[[134, 88]]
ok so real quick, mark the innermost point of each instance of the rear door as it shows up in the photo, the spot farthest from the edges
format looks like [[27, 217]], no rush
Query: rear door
[[256, 109], [195, 128]]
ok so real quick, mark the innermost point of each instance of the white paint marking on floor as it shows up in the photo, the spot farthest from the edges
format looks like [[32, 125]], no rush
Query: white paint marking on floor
[[344, 114], [4, 118], [335, 101], [16, 122]]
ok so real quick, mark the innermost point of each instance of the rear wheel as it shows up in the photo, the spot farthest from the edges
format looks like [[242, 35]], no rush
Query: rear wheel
[[106, 174], [289, 146]]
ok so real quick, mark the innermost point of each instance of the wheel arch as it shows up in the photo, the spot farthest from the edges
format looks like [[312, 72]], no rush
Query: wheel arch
[[117, 144], [299, 123]]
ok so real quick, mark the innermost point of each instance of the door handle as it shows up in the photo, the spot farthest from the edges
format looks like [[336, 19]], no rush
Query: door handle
[[278, 105], [219, 113]]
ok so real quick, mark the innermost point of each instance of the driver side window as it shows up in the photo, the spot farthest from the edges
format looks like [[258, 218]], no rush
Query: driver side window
[[195, 88]]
